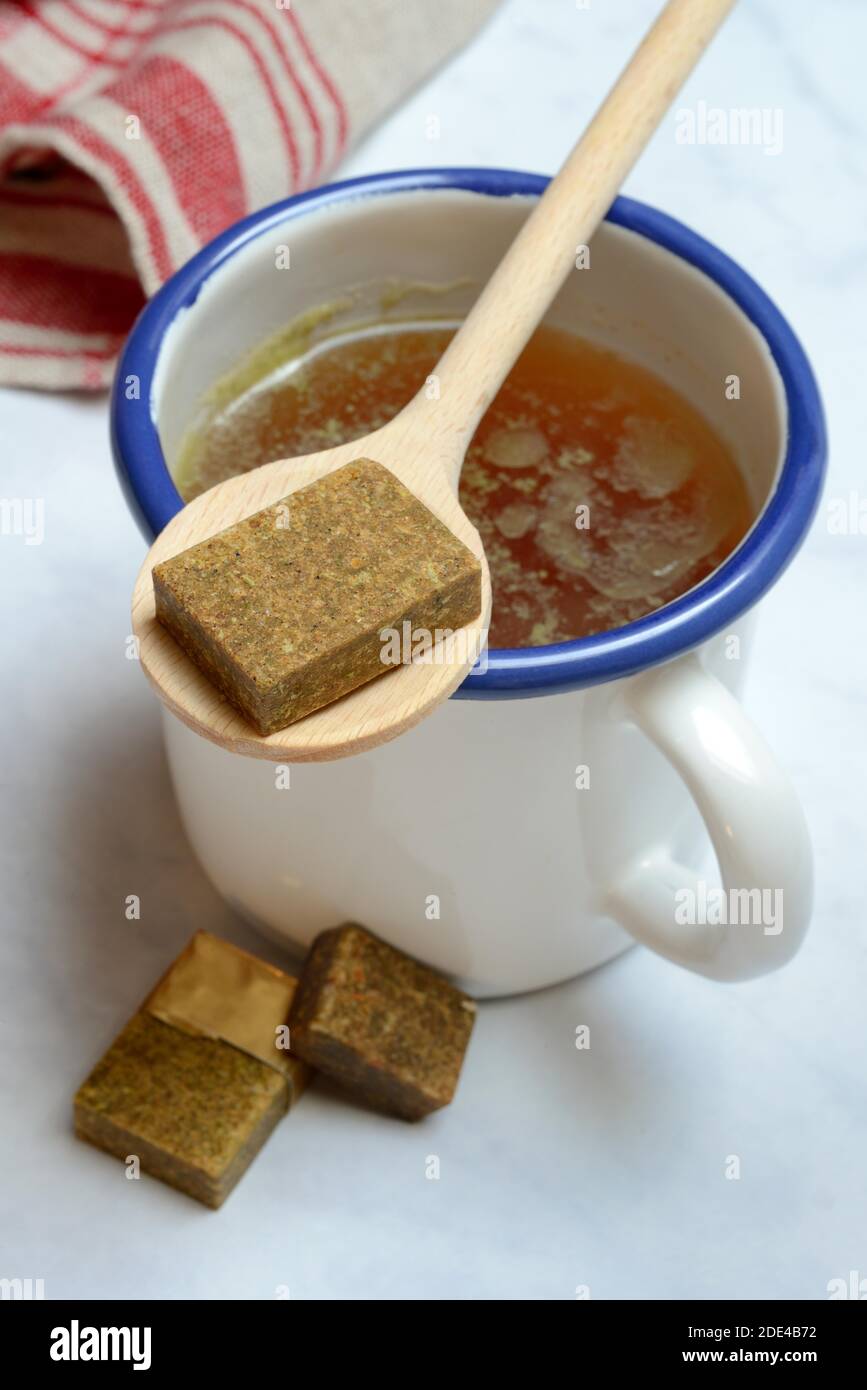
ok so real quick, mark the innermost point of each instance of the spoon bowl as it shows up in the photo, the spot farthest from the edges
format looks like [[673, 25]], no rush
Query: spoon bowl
[[366, 716]]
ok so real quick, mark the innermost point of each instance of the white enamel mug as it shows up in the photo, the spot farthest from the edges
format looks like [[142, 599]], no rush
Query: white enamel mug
[[566, 802]]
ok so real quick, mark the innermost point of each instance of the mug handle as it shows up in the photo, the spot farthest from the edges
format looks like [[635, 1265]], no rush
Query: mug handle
[[754, 821]]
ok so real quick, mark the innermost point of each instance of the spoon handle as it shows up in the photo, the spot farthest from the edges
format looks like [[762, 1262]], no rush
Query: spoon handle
[[515, 299]]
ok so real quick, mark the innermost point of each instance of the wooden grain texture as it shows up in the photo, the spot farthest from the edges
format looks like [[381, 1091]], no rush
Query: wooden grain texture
[[425, 444]]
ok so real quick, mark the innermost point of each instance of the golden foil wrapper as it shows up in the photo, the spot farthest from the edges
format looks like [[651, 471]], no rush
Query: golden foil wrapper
[[215, 990]]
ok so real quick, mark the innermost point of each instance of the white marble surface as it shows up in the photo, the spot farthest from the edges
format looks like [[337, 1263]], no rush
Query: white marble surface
[[559, 1168]]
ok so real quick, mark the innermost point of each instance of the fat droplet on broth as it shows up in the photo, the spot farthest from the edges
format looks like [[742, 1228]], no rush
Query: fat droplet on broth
[[650, 460], [650, 552], [636, 556], [515, 520], [517, 447], [640, 566], [569, 547]]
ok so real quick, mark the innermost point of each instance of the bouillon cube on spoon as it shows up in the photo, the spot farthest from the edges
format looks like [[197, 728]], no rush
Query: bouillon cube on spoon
[[262, 608]]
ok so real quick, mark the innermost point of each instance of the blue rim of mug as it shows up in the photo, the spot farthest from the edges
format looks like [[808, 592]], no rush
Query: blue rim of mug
[[708, 608]]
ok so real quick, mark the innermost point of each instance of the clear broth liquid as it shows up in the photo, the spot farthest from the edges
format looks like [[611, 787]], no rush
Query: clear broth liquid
[[599, 492]]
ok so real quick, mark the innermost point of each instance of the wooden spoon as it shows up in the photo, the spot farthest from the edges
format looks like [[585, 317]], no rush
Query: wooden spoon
[[425, 444]]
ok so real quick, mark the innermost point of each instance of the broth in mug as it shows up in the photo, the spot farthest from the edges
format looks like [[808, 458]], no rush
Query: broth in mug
[[599, 492]]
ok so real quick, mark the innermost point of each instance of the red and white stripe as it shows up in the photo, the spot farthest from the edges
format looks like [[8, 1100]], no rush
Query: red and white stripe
[[230, 104]]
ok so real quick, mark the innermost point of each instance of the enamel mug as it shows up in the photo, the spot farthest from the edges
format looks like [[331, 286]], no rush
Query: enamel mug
[[569, 799]]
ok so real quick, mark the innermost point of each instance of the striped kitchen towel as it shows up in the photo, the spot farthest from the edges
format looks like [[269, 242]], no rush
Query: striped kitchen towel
[[132, 131]]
